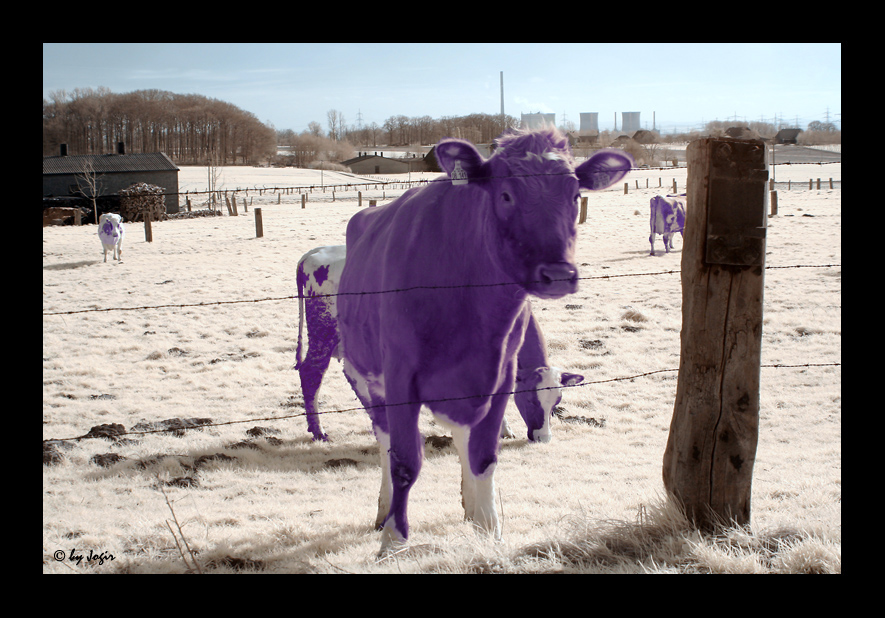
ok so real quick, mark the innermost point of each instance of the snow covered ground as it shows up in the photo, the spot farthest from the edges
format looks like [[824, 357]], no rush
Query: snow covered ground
[[200, 323]]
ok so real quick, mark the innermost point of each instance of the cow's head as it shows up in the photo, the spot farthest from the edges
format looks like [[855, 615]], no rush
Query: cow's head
[[538, 392], [534, 189]]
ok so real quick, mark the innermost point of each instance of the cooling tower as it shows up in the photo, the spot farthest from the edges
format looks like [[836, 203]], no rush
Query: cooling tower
[[537, 121], [629, 122], [590, 122]]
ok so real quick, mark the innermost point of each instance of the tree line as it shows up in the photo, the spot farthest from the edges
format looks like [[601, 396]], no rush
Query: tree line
[[191, 129]]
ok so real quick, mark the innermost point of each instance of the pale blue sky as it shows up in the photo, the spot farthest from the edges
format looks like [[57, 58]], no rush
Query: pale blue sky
[[292, 84]]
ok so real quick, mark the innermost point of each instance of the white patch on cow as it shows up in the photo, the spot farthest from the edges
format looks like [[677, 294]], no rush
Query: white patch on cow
[[548, 396], [477, 491], [391, 541], [485, 515], [386, 493], [460, 436]]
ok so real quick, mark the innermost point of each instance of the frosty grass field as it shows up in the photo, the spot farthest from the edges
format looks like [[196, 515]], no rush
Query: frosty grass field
[[592, 500]]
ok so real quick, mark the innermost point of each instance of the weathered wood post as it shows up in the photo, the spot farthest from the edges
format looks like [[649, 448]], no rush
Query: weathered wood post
[[303, 200], [259, 224], [708, 462], [583, 216], [148, 233]]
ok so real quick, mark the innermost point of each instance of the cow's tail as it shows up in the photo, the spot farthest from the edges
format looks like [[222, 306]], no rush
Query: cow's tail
[[300, 277]]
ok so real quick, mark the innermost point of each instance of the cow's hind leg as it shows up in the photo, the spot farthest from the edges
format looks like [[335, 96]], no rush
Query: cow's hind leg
[[370, 392], [322, 342]]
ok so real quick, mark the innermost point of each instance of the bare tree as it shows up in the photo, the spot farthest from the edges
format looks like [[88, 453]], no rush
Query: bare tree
[[90, 184], [336, 124]]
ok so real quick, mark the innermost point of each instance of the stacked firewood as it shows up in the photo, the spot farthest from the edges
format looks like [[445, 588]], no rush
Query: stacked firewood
[[142, 198]]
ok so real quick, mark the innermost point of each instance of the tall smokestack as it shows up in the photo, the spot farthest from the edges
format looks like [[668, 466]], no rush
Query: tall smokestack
[[502, 96]]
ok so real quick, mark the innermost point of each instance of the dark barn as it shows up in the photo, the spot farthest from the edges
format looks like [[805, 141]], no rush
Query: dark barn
[[63, 175]]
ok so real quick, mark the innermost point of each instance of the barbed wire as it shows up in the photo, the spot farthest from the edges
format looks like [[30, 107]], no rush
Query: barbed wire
[[408, 403], [408, 289]]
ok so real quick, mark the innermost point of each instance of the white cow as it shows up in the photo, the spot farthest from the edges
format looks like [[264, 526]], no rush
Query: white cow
[[111, 232], [667, 218]]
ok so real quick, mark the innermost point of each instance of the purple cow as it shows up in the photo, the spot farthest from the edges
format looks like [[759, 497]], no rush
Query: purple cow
[[538, 389], [667, 218], [432, 302], [110, 233]]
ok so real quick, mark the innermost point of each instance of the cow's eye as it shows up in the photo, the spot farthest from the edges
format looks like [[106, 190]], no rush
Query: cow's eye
[[506, 198]]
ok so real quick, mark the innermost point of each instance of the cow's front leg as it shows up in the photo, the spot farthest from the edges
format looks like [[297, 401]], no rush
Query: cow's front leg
[[478, 450], [405, 453]]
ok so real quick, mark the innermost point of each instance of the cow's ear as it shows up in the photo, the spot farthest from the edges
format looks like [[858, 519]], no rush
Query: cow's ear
[[570, 379], [460, 160], [603, 169]]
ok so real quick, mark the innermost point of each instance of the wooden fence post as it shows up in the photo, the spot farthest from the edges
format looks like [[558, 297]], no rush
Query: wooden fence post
[[583, 216], [259, 224], [711, 449], [148, 233], [303, 200]]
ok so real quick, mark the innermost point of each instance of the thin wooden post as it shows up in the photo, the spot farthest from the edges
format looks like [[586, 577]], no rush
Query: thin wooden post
[[674, 185], [259, 224], [303, 200], [583, 216], [359, 196], [772, 199], [626, 184], [831, 183], [711, 449], [148, 233], [818, 184]]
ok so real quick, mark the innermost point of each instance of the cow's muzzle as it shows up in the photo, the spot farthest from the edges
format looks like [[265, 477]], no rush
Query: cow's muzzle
[[554, 280]]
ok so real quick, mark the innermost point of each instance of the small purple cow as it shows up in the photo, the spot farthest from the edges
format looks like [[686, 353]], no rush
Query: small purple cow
[[538, 389], [667, 218], [463, 253], [110, 233]]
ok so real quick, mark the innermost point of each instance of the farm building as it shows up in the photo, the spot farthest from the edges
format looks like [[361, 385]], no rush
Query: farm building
[[63, 175], [367, 163], [787, 136]]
